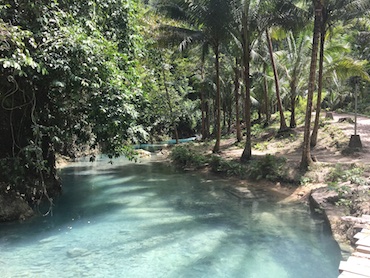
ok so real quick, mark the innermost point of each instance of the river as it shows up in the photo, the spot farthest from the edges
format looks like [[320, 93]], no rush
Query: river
[[149, 220]]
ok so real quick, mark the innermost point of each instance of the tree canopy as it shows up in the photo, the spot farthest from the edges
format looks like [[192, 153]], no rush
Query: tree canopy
[[84, 76]]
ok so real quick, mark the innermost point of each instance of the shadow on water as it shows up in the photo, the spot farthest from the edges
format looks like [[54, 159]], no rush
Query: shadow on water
[[157, 214], [81, 200]]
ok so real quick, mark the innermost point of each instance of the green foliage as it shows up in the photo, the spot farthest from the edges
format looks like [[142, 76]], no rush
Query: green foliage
[[68, 75], [184, 156], [261, 146], [230, 168], [339, 180], [256, 130], [353, 175], [305, 180], [270, 167]]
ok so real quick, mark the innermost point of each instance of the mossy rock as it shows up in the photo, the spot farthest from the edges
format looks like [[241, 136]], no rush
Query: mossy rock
[[14, 208]]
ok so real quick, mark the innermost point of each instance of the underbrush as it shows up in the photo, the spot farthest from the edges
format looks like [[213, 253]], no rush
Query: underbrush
[[268, 167], [350, 185], [184, 156]]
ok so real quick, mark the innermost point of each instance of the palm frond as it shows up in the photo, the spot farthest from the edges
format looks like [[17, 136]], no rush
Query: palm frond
[[347, 67]]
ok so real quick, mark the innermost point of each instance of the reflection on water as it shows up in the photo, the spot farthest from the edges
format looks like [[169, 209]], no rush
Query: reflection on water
[[146, 220]]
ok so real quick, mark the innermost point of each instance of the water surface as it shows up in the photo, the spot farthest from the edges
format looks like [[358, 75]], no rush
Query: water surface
[[148, 220]]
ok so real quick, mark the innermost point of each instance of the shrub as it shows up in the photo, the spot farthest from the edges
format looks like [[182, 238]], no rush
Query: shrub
[[354, 175], [231, 168], [269, 167], [338, 181], [186, 157]]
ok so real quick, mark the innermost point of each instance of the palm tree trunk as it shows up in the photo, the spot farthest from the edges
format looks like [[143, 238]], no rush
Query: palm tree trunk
[[236, 93], [293, 96], [306, 152], [203, 112], [266, 95], [203, 105], [224, 116], [315, 130], [247, 152], [207, 120], [216, 148], [283, 125]]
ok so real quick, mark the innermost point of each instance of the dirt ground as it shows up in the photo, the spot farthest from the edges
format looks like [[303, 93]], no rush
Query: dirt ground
[[327, 152]]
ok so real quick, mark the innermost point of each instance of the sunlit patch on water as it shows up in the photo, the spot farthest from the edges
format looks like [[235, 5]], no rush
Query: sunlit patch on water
[[147, 220]]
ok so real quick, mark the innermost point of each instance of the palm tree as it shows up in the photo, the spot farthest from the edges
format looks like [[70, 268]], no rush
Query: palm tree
[[293, 62], [236, 93], [287, 15], [246, 41], [205, 15], [333, 10], [283, 125], [306, 152], [254, 17]]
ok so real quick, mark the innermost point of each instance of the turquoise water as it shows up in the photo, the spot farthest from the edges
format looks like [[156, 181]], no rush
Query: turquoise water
[[148, 220]]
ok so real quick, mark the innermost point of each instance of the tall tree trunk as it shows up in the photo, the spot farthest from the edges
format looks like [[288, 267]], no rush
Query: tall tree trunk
[[266, 95], [236, 93], [203, 105], [315, 130], [207, 120], [293, 99], [283, 125], [224, 111], [229, 114], [203, 112], [216, 148], [247, 152], [306, 152]]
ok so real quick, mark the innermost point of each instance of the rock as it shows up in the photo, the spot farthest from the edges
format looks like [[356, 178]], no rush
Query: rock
[[323, 199], [143, 153], [48, 239], [77, 252], [319, 197], [14, 208]]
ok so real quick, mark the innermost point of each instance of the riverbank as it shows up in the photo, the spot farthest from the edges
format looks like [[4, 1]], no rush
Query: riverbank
[[337, 185]]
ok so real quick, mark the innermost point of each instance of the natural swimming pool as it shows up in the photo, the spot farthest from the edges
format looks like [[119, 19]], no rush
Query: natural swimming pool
[[148, 220]]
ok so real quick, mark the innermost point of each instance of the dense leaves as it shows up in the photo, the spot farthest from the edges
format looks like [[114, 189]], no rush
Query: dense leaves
[[83, 76], [68, 75]]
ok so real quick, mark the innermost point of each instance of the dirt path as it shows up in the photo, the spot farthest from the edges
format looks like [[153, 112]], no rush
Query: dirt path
[[363, 129], [292, 151]]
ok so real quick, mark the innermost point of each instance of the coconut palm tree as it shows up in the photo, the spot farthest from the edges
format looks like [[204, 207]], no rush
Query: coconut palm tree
[[306, 159], [286, 15], [283, 125], [205, 15], [245, 15], [293, 62], [333, 11]]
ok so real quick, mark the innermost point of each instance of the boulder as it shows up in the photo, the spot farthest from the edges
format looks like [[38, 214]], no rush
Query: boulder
[[14, 208]]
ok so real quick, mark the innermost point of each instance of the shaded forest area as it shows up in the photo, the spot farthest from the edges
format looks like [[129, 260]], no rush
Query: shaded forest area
[[80, 77]]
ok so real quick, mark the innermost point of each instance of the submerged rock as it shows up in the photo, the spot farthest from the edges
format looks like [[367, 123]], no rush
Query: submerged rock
[[143, 153], [48, 239], [77, 252]]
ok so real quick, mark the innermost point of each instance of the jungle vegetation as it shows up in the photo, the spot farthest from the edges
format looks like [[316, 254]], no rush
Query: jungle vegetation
[[78, 76]]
